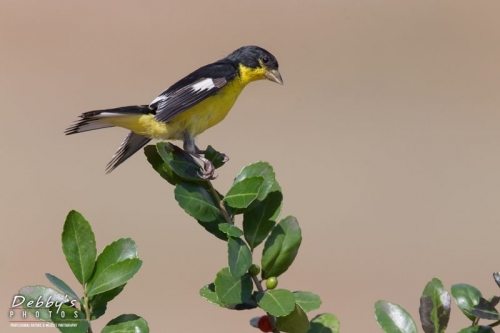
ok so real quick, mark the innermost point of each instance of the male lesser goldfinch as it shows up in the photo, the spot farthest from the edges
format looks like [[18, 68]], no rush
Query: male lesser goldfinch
[[189, 107]]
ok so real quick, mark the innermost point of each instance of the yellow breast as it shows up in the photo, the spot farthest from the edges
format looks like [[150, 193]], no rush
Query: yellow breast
[[214, 109], [206, 114]]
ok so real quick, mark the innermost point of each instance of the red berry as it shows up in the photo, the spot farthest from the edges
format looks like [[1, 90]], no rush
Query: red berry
[[265, 324]]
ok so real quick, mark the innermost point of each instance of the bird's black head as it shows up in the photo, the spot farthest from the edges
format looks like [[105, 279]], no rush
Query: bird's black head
[[256, 63]]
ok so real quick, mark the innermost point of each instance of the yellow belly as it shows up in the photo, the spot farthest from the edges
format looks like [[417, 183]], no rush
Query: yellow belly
[[206, 114]]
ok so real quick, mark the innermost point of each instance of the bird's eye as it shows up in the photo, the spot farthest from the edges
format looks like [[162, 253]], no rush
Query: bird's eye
[[265, 59]]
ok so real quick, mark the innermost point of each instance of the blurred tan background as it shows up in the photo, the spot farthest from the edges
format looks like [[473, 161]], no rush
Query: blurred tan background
[[385, 139]]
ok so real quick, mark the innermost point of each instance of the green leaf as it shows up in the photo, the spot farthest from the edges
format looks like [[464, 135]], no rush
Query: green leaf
[[126, 323], [295, 322], [247, 305], [260, 220], [325, 323], [78, 243], [196, 201], [102, 299], [494, 300], [275, 187], [62, 286], [183, 164], [215, 157], [485, 310], [213, 228], [281, 247], [114, 276], [466, 297], [231, 290], [124, 248], [393, 319], [277, 302], [40, 298], [477, 329], [307, 300], [98, 312], [69, 319], [208, 293], [239, 257], [230, 230], [435, 307], [262, 169], [243, 193], [160, 166]]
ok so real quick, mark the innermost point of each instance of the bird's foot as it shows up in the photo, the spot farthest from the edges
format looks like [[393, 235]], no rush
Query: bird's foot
[[207, 169]]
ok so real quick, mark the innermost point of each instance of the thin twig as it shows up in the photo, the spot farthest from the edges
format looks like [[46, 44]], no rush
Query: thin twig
[[261, 290], [257, 284], [87, 310], [223, 209]]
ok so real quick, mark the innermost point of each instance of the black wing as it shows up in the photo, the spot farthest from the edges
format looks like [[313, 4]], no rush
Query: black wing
[[194, 88]]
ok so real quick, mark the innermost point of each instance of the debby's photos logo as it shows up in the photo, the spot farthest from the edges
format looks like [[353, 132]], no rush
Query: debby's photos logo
[[43, 311]]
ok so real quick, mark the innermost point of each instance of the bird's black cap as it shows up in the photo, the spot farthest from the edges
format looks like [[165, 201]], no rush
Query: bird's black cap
[[252, 56]]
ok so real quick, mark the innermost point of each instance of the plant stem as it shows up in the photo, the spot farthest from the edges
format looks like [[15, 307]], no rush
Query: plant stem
[[223, 209], [496, 323], [257, 284], [87, 310]]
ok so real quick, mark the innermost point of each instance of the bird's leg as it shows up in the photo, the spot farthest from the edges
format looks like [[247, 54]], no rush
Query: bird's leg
[[207, 168]]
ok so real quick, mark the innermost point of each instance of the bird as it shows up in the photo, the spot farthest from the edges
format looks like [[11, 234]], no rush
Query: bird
[[187, 108]]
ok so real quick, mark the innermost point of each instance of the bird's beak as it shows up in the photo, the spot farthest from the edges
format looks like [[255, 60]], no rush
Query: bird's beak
[[274, 75]]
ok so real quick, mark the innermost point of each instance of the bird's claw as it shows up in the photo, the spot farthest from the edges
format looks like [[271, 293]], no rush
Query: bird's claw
[[207, 170]]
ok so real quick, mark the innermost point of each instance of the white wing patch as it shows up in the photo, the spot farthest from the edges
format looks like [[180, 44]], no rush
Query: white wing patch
[[157, 100], [109, 114], [205, 84]]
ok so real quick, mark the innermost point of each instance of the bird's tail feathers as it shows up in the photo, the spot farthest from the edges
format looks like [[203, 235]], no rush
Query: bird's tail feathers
[[84, 125], [132, 143], [93, 120]]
